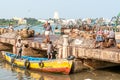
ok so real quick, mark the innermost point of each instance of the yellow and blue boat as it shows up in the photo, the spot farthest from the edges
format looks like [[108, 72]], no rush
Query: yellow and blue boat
[[42, 64], [35, 75]]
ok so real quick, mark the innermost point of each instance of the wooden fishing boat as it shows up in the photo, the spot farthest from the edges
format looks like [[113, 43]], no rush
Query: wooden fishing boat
[[42, 64], [35, 75]]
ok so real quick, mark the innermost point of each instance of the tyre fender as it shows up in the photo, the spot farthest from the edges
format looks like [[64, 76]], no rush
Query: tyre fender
[[12, 60], [41, 64], [26, 64]]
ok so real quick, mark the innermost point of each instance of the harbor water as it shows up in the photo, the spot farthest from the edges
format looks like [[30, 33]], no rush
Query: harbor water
[[38, 28]]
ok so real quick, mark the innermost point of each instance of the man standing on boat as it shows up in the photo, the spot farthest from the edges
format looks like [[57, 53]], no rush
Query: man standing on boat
[[48, 29], [50, 50], [19, 48]]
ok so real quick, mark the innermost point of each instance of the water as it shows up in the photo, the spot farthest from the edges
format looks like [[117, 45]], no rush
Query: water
[[38, 28], [7, 72]]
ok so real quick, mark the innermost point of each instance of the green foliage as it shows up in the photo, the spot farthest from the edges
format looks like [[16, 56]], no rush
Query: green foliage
[[32, 21], [6, 22], [118, 14]]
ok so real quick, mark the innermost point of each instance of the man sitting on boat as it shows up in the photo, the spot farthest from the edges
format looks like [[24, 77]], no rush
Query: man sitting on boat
[[19, 48]]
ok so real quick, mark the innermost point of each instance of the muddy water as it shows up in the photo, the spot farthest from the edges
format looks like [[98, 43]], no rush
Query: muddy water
[[7, 72]]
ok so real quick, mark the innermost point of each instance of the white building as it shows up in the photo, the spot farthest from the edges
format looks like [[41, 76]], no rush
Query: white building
[[56, 15], [20, 20]]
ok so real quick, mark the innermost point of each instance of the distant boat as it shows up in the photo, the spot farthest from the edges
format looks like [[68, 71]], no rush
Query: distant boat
[[42, 64]]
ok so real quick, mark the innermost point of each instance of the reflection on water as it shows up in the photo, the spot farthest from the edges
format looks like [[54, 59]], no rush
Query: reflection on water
[[13, 73]]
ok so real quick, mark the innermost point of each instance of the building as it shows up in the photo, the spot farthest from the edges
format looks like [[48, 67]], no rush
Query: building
[[56, 15], [20, 20]]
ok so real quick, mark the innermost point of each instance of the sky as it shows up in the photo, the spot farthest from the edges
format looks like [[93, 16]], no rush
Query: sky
[[70, 9]]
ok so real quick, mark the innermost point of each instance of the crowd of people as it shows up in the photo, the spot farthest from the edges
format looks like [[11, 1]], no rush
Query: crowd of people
[[104, 35]]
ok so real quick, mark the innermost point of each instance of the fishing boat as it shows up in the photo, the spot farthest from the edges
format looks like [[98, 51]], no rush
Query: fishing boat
[[42, 64], [35, 75]]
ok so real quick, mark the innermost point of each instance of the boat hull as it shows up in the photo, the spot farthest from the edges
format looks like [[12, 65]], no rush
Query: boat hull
[[55, 65]]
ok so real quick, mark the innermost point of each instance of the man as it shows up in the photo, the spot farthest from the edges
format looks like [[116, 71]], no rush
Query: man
[[99, 38], [19, 48], [111, 38], [48, 29], [10, 28], [50, 50]]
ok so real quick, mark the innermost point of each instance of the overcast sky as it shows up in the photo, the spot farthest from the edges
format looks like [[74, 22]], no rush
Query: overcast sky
[[66, 8]]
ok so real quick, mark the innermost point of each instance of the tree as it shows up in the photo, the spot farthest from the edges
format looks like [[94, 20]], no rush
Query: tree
[[32, 21]]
